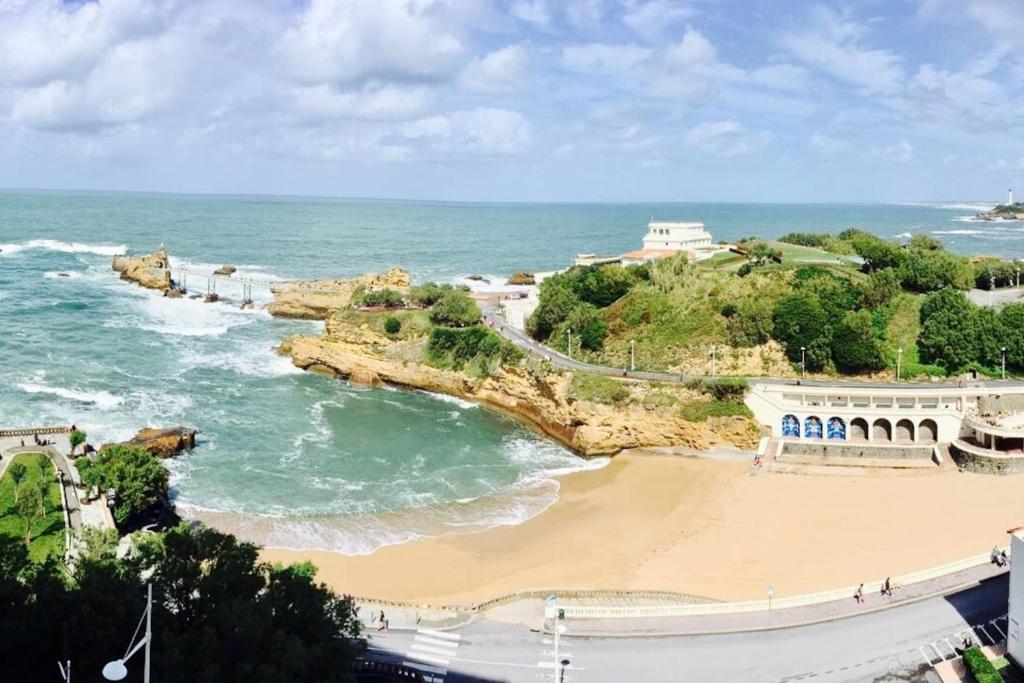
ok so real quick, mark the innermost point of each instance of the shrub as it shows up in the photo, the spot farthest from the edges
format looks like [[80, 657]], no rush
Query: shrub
[[724, 388], [557, 300], [982, 669], [700, 410], [880, 288], [458, 347], [598, 389], [750, 325], [455, 309], [392, 325], [588, 328], [949, 330], [798, 320], [429, 293], [383, 297]]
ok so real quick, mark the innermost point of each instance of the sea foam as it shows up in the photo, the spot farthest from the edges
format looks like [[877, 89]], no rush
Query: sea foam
[[64, 247], [101, 399]]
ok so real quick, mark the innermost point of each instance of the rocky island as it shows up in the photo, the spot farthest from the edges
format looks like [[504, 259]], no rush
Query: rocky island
[[1003, 212]]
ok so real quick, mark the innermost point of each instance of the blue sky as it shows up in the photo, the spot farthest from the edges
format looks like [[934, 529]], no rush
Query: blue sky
[[521, 100]]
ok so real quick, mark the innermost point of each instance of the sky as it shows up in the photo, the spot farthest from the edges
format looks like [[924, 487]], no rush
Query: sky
[[517, 100]]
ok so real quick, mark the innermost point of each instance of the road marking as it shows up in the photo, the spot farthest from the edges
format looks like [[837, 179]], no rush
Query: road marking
[[926, 657], [995, 625], [444, 635], [437, 643], [433, 659], [426, 667], [444, 652]]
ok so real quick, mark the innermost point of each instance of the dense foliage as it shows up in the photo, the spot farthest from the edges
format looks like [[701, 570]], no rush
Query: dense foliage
[[429, 293], [30, 506], [477, 349], [383, 297], [455, 309], [981, 668], [957, 334], [136, 475], [219, 613]]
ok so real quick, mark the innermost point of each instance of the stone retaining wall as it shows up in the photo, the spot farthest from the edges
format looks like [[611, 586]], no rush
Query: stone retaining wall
[[972, 461], [857, 450]]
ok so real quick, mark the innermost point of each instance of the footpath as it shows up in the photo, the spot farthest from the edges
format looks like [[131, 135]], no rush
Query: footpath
[[709, 623]]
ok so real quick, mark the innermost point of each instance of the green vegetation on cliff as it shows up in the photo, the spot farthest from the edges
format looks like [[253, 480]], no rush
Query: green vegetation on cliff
[[850, 303], [136, 475]]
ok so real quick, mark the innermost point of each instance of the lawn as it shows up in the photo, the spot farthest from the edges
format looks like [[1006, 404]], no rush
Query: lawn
[[47, 531]]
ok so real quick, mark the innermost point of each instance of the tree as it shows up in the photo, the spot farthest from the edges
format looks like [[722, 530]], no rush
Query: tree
[[880, 287], [1012, 316], [43, 486], [877, 253], [392, 325], [928, 270], [138, 477], [750, 325], [856, 346], [588, 327], [76, 438], [949, 330], [28, 507], [798, 320], [455, 309], [555, 303], [383, 297], [17, 470]]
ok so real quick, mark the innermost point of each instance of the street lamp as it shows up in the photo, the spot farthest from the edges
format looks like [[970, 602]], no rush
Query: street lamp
[[1003, 351], [632, 354], [116, 670], [991, 288], [899, 362], [714, 365], [568, 334], [803, 361], [1018, 278]]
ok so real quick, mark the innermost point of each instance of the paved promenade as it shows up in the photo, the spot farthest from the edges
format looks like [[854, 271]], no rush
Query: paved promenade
[[703, 624]]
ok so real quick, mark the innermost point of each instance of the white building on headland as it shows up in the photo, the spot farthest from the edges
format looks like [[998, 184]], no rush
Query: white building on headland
[[676, 236], [662, 239]]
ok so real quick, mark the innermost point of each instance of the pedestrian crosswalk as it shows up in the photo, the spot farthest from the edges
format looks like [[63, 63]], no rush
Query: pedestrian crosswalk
[[564, 671], [431, 652]]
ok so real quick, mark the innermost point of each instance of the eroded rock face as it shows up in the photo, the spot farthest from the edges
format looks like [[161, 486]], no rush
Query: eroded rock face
[[317, 299], [164, 443], [521, 278], [150, 271], [539, 399]]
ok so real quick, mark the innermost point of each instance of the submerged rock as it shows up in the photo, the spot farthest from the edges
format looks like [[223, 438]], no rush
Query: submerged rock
[[522, 278], [225, 270]]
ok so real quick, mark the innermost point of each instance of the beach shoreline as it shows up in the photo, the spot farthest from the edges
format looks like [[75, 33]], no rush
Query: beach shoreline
[[708, 528]]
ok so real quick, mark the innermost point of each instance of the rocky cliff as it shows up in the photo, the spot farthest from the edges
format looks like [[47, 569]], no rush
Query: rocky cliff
[[150, 271], [532, 393], [316, 299], [163, 443]]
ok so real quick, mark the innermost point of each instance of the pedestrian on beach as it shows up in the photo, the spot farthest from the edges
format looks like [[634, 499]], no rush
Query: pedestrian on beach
[[859, 594], [383, 622], [887, 587]]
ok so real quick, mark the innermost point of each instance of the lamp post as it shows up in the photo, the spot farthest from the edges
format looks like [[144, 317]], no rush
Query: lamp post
[[1003, 352], [632, 354], [1018, 278], [991, 288], [116, 670], [803, 361], [771, 591], [714, 363], [899, 362], [65, 670], [568, 334]]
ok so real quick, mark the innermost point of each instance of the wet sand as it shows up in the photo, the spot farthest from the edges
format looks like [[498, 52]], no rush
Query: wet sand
[[701, 527]]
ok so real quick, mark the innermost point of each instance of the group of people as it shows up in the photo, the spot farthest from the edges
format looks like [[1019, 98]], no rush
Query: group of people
[[888, 588]]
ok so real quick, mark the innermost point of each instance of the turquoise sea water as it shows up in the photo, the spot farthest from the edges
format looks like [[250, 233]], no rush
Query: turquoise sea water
[[298, 460]]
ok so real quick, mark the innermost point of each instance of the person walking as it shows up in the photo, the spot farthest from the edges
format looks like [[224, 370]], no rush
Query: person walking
[[859, 594], [887, 587], [383, 622]]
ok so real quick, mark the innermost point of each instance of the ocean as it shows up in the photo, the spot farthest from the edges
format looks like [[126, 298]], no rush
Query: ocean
[[297, 460]]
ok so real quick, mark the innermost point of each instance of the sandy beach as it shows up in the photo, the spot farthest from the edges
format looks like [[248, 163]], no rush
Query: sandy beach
[[702, 527]]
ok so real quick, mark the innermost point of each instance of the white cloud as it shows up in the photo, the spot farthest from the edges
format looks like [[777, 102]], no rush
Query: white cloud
[[827, 144], [372, 102], [604, 59], [834, 43], [351, 41], [898, 153], [532, 11], [498, 73], [726, 138], [651, 19], [484, 130]]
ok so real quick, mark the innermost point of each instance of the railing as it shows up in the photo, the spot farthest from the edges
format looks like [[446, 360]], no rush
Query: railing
[[29, 431], [979, 423], [622, 612]]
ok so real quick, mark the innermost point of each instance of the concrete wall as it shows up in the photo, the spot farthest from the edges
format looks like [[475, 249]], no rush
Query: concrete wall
[[839, 449], [995, 404], [983, 464], [1015, 615]]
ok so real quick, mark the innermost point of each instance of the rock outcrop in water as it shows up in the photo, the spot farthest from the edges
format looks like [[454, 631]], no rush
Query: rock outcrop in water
[[317, 299], [150, 271], [537, 396], [164, 443]]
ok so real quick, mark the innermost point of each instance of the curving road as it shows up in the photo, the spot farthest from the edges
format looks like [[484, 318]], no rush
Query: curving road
[[898, 644], [492, 316]]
